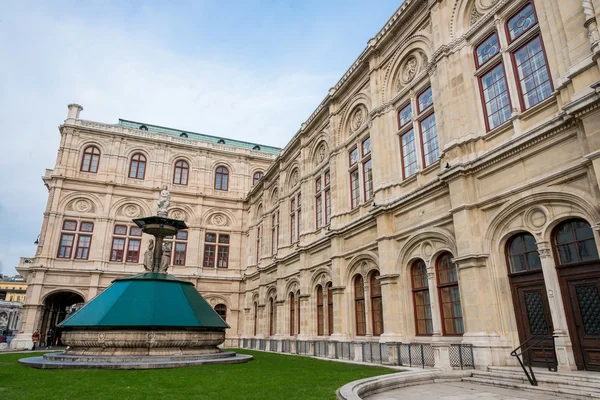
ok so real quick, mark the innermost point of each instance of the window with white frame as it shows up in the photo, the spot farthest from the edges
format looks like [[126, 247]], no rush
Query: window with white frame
[[274, 232], [359, 158]]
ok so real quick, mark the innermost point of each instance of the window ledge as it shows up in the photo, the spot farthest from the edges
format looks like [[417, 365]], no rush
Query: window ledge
[[430, 168], [503, 127], [538, 107], [410, 179]]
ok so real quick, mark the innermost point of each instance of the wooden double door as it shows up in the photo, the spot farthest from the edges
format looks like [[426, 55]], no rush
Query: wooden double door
[[581, 295], [534, 319]]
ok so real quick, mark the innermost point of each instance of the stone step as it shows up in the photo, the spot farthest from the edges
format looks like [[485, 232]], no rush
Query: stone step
[[578, 376], [140, 358], [563, 393], [546, 380]]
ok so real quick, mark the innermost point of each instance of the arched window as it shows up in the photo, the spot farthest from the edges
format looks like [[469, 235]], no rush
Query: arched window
[[271, 317], [292, 314], [376, 304], [182, 170], [574, 242], [255, 318], [137, 167], [359, 306], [90, 159], [222, 178], [420, 289], [257, 176], [329, 309], [447, 277], [221, 309], [523, 253], [320, 315]]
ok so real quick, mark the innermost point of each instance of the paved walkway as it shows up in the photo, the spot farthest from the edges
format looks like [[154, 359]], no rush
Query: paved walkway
[[458, 391]]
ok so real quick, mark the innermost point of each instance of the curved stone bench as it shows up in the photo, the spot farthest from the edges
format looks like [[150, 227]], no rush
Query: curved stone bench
[[358, 390]]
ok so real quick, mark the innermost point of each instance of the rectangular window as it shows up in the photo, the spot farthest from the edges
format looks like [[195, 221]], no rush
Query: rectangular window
[[83, 247], [120, 230], [66, 245], [451, 310], [487, 49], [520, 23], [353, 156], [409, 154], [180, 250], [135, 231], [327, 206], [361, 321], [133, 251], [532, 72], [368, 179], [366, 147], [223, 260], [209, 255], [69, 225], [405, 116], [274, 233], [423, 312], [118, 246], [319, 208], [425, 99], [429, 140], [495, 96], [355, 188], [86, 227]]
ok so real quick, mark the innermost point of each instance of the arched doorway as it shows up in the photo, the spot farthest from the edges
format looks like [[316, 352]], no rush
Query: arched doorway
[[578, 266], [530, 298], [57, 307]]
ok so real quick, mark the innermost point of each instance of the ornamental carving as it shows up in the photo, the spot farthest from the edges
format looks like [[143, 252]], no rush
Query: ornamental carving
[[358, 118], [219, 220], [321, 153], [294, 178], [131, 210], [409, 71], [82, 205], [178, 214], [486, 4]]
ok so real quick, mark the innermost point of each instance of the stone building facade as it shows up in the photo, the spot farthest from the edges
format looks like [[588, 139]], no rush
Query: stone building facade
[[445, 191]]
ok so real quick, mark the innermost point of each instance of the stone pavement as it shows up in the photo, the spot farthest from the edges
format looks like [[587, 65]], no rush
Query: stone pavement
[[458, 391]]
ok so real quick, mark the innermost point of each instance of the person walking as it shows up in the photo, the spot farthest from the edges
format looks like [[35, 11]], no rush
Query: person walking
[[35, 338], [49, 338]]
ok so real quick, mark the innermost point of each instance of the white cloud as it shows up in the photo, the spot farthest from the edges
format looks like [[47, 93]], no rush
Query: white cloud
[[116, 72]]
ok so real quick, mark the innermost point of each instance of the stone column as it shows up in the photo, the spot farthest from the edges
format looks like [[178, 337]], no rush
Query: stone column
[[436, 314], [305, 317], [368, 311], [591, 24], [393, 321], [564, 347], [340, 314]]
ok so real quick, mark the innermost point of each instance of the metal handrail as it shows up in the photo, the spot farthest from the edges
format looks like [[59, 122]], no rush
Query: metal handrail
[[519, 351]]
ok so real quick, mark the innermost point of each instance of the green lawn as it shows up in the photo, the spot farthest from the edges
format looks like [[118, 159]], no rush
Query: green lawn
[[268, 376]]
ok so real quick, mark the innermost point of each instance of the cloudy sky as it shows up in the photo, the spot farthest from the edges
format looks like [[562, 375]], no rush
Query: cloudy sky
[[243, 69]]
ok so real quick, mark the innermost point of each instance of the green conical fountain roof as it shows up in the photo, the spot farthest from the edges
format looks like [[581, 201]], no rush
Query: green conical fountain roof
[[148, 300]]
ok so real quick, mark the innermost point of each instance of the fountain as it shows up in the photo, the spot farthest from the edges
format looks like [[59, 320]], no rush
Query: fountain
[[150, 320]]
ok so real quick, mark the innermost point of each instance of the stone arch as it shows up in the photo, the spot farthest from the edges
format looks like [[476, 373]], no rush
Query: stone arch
[[274, 197], [293, 177], [91, 142], [271, 292], [362, 263], [218, 217], [292, 286], [96, 208], [417, 43], [348, 117], [143, 208], [62, 290], [321, 276], [131, 151], [218, 299], [189, 215], [319, 151], [177, 157], [466, 13], [425, 245], [538, 213], [222, 163]]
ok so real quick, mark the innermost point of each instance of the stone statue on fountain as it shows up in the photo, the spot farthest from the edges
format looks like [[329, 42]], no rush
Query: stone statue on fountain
[[164, 201], [149, 257]]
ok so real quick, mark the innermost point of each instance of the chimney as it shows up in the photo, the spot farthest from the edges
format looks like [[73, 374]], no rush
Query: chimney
[[74, 110]]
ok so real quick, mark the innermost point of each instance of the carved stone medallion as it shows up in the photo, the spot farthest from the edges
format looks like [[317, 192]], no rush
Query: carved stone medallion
[[131, 210], [357, 119], [321, 153], [219, 220], [410, 70], [82, 205]]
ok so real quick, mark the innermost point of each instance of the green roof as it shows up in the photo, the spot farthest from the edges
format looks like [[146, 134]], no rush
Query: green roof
[[148, 300], [199, 136]]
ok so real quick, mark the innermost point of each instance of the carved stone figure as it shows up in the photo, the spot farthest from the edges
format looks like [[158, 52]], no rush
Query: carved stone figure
[[164, 260], [321, 153], [164, 201], [149, 256], [410, 70], [358, 119]]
